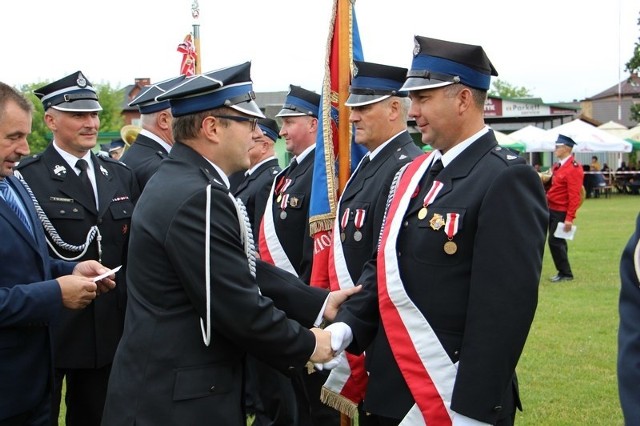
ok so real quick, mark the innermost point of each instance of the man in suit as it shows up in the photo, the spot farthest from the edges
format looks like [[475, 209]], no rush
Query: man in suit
[[194, 307], [379, 115], [564, 200], [155, 140], [285, 238], [629, 330], [256, 185], [85, 204], [34, 287], [449, 299]]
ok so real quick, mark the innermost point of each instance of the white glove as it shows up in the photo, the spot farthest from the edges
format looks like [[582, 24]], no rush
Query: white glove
[[460, 420], [331, 364], [341, 336]]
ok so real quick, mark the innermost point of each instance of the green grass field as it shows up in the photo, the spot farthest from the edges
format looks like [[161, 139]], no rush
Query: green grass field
[[567, 373]]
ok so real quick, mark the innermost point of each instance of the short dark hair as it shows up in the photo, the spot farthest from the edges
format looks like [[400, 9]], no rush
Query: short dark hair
[[186, 126], [8, 93]]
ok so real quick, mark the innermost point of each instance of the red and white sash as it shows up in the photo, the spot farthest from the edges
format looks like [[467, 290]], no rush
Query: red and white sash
[[271, 251], [425, 365], [345, 387]]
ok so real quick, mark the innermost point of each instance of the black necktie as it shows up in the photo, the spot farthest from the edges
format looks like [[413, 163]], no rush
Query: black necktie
[[436, 168], [292, 165], [84, 177]]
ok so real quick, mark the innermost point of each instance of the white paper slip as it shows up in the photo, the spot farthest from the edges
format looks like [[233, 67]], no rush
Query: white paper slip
[[560, 233], [106, 274]]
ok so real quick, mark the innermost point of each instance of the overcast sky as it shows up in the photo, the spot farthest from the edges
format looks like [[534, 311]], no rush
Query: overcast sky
[[560, 50]]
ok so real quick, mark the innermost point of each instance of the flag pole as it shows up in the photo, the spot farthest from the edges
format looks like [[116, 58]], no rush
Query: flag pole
[[344, 79], [195, 13]]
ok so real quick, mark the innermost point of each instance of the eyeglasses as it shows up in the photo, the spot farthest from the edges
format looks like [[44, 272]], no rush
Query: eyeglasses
[[238, 118]]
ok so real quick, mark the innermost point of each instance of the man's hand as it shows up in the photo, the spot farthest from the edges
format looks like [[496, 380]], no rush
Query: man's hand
[[77, 291], [323, 351], [90, 269], [337, 298], [567, 226]]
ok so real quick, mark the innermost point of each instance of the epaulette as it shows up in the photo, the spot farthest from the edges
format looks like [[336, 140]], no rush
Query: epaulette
[[112, 161], [24, 162], [508, 156]]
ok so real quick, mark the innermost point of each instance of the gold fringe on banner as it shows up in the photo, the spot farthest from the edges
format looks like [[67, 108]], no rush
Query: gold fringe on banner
[[339, 402]]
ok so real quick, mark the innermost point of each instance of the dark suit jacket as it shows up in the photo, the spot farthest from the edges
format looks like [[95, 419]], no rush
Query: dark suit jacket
[[481, 300], [163, 373], [144, 157], [30, 300], [629, 331], [87, 338], [254, 191], [293, 231], [368, 190]]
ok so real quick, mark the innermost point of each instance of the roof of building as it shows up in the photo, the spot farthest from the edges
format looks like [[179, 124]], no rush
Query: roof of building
[[628, 87]]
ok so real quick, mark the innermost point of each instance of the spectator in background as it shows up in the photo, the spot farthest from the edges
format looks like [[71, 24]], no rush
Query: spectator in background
[[595, 164], [564, 199], [116, 149]]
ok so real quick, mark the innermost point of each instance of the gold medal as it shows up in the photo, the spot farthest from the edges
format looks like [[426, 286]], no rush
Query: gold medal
[[422, 213], [342, 236], [283, 215], [450, 247], [279, 198], [357, 235], [437, 222]]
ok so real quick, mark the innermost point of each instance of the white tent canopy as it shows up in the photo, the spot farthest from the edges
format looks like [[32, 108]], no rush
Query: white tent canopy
[[613, 128], [589, 138], [633, 133], [535, 139]]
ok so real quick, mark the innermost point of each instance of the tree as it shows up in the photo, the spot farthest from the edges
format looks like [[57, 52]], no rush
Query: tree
[[633, 66], [504, 89], [111, 119]]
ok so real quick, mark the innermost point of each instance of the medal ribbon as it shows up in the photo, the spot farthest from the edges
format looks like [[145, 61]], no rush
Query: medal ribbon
[[283, 184], [358, 221], [451, 228], [345, 219], [433, 193], [284, 202]]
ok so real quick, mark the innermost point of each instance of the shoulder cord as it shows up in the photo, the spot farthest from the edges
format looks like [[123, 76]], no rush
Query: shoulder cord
[[55, 237], [246, 235], [392, 193]]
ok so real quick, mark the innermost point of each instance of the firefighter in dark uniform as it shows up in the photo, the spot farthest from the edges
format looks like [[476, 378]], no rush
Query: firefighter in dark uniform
[[564, 200], [379, 116], [85, 204], [153, 143], [285, 238], [254, 189]]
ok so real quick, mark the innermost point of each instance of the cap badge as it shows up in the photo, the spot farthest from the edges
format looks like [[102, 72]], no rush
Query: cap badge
[[355, 70], [81, 81], [416, 47], [104, 171], [59, 170]]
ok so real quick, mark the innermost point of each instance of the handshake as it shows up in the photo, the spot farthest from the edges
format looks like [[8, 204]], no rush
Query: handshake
[[330, 344]]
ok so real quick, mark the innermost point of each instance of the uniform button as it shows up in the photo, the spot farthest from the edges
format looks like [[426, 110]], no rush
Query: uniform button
[[497, 408], [406, 223], [124, 211], [399, 254], [75, 210], [456, 353], [212, 388], [62, 212]]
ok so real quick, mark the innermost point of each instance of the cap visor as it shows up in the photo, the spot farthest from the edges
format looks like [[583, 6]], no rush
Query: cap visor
[[81, 105], [285, 112], [361, 100], [251, 108], [413, 83]]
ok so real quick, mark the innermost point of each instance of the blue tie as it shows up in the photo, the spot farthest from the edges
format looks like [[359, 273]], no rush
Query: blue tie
[[11, 200]]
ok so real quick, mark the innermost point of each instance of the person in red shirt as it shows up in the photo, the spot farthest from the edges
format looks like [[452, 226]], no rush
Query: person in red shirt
[[563, 198]]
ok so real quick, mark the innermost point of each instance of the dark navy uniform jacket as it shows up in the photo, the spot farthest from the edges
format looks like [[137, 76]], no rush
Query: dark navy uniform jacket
[[144, 157], [87, 338]]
